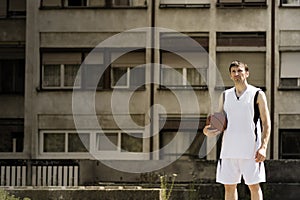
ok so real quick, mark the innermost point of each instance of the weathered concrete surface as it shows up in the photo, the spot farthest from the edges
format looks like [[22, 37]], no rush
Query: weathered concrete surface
[[195, 180], [200, 171], [272, 191], [84, 193]]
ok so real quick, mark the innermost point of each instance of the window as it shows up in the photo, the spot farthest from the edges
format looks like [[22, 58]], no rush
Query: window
[[184, 3], [241, 3], [128, 70], [12, 70], [245, 39], [290, 3], [184, 60], [12, 75], [289, 71], [177, 72], [60, 69], [289, 144], [118, 141], [76, 2], [51, 3], [121, 2], [248, 47], [12, 8], [12, 135], [74, 142], [189, 139], [255, 60], [92, 3], [120, 76], [63, 142], [64, 3], [93, 74]]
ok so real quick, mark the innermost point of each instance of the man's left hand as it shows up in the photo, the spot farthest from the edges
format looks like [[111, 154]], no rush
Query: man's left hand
[[260, 155]]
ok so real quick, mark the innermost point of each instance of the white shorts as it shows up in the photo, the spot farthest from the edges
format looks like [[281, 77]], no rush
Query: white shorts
[[230, 171]]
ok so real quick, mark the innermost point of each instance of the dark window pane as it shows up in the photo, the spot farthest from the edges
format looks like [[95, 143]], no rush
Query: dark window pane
[[188, 142], [78, 142], [52, 3], [76, 2], [70, 74], [171, 76], [17, 7], [12, 76], [51, 76], [121, 2], [119, 77], [288, 82], [290, 144], [17, 141], [241, 39], [54, 142], [107, 141], [132, 142], [3, 8], [6, 142], [137, 76], [92, 77], [12, 135]]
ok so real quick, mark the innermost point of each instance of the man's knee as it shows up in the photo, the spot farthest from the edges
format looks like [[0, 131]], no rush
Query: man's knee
[[254, 188], [230, 188]]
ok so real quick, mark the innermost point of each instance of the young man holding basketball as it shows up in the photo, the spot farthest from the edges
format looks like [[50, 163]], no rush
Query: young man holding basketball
[[245, 140]]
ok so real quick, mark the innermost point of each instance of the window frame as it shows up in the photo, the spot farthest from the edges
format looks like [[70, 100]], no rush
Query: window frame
[[119, 141], [17, 85], [128, 68], [93, 145], [283, 81], [14, 13], [171, 124], [281, 133], [62, 79], [240, 43], [184, 80], [66, 141], [15, 126], [198, 42], [106, 79], [287, 5]]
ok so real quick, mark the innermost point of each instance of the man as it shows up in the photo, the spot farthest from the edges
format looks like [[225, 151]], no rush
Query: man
[[244, 144]]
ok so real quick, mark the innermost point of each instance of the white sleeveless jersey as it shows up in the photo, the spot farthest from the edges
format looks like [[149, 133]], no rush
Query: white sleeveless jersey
[[239, 139]]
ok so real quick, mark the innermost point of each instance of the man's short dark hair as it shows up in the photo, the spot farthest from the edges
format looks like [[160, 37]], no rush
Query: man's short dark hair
[[237, 63]]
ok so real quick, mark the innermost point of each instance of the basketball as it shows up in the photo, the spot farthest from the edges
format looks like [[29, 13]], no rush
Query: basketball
[[218, 121]]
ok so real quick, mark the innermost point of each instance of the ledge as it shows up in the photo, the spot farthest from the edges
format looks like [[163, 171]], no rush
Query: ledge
[[291, 88], [207, 5]]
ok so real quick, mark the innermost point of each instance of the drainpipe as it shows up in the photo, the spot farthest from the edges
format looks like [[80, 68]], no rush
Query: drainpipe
[[152, 76], [272, 106]]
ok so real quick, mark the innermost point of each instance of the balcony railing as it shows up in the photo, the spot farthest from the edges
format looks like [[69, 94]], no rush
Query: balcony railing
[[42, 172]]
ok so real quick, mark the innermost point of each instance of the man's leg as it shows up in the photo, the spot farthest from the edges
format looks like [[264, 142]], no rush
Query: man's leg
[[231, 192], [256, 193]]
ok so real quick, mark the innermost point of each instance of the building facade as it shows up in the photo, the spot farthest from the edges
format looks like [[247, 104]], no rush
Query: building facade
[[94, 80]]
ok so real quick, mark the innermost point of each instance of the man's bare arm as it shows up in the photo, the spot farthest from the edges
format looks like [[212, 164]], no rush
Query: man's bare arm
[[266, 126]]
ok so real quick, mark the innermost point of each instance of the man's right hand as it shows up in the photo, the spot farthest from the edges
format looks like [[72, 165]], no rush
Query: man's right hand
[[210, 132]]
